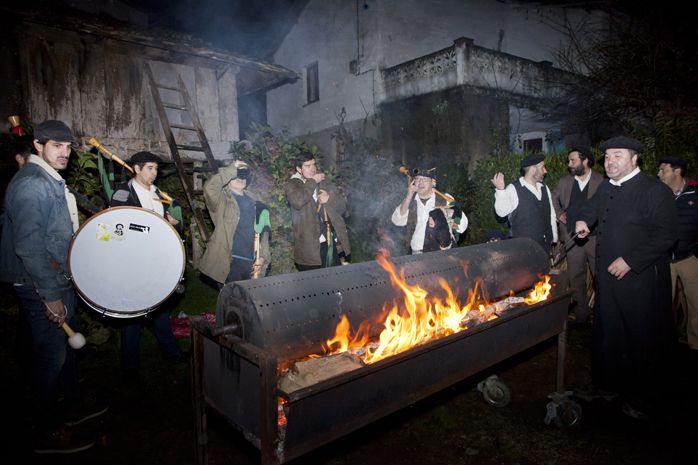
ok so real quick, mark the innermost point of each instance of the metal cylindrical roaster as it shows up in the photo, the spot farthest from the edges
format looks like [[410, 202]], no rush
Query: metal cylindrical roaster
[[264, 325], [292, 315]]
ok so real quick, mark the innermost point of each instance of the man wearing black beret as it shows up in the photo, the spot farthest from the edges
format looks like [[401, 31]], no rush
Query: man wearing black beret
[[40, 219], [527, 203], [684, 255], [636, 227], [140, 191]]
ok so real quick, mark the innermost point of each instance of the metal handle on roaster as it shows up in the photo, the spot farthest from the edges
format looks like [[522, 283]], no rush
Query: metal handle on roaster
[[227, 329]]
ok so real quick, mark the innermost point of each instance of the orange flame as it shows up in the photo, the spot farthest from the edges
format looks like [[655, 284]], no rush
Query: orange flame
[[419, 317], [540, 291]]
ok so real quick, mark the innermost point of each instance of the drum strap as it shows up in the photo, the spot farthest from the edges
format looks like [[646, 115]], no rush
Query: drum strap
[[83, 201]]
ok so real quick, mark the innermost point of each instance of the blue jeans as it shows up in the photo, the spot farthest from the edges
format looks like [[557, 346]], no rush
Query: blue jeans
[[131, 336], [54, 364]]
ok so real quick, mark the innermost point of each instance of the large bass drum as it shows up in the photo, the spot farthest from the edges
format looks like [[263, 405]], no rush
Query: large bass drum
[[126, 261]]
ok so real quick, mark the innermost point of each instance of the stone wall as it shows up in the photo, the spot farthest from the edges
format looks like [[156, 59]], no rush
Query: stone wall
[[458, 124]]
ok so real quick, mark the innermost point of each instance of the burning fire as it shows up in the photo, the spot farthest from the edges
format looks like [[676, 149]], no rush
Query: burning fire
[[421, 317], [540, 291]]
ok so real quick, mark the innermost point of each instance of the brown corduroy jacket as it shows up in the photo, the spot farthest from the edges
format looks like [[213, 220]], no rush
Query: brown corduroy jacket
[[304, 218]]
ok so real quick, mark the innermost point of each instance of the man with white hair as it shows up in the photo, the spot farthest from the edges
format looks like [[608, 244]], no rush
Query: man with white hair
[[429, 220]]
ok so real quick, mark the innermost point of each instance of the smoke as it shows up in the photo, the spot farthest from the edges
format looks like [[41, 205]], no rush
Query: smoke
[[374, 187], [254, 29]]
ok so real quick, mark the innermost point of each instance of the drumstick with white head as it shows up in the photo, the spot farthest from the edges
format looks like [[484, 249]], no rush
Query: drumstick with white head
[[75, 340]]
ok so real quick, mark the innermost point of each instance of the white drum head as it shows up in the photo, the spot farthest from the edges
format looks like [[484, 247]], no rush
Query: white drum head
[[125, 261]]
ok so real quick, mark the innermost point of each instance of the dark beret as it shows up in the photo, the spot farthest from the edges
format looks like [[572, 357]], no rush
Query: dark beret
[[54, 130], [621, 142], [144, 157], [675, 162], [533, 159]]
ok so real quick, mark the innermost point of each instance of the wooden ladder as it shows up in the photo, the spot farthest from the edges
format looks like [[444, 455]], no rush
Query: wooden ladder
[[186, 107]]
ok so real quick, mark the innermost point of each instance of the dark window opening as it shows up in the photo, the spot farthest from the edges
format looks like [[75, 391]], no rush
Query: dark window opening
[[312, 83], [533, 145]]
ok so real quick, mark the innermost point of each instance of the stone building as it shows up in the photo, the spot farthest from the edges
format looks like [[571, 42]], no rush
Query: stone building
[[446, 79]]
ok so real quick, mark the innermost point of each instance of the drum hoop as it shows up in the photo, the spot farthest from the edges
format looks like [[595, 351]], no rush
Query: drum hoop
[[100, 308]]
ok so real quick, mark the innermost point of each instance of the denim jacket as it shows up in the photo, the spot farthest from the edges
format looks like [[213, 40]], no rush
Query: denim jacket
[[36, 233]]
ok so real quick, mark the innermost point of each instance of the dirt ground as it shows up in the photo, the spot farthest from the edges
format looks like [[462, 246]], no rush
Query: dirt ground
[[152, 423]]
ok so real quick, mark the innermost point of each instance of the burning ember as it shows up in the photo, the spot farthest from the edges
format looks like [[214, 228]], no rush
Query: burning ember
[[420, 317]]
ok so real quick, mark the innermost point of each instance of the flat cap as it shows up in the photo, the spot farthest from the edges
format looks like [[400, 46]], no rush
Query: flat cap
[[675, 162], [622, 142], [144, 157], [533, 159], [52, 129]]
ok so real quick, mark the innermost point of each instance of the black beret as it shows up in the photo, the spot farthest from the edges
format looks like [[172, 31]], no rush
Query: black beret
[[54, 130], [621, 142], [675, 162], [144, 157], [533, 159]]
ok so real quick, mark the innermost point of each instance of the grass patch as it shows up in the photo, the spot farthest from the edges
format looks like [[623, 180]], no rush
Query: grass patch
[[198, 296]]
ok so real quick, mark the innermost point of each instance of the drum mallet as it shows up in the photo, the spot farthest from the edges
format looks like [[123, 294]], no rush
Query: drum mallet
[[75, 340]]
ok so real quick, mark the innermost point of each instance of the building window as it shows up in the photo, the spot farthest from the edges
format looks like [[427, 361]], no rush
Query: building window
[[532, 142], [533, 145], [312, 83]]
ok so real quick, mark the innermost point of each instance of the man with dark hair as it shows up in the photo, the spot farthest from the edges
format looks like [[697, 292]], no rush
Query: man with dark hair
[[684, 264], [633, 334], [428, 219], [15, 151], [527, 203], [569, 198], [18, 149], [140, 191], [320, 237], [40, 219]]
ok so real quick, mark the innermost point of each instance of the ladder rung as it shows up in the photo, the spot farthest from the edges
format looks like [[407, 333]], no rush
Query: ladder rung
[[176, 89], [182, 126], [175, 106], [190, 147]]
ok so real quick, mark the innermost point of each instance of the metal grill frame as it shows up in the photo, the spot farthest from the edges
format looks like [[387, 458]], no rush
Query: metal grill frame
[[239, 380]]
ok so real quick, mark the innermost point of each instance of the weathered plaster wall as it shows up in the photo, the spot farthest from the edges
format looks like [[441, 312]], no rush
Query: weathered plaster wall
[[326, 33], [452, 125], [99, 86]]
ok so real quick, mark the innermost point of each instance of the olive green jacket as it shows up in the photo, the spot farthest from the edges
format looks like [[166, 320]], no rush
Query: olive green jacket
[[225, 214]]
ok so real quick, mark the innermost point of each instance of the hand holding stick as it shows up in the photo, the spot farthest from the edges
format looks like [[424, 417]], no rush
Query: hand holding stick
[[75, 340], [256, 267], [404, 170]]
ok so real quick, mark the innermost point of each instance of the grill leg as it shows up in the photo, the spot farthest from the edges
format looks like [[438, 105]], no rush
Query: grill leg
[[561, 354], [269, 411], [198, 398]]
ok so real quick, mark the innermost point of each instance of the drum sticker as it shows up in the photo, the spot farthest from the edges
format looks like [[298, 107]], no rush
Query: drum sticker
[[105, 232], [139, 228]]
